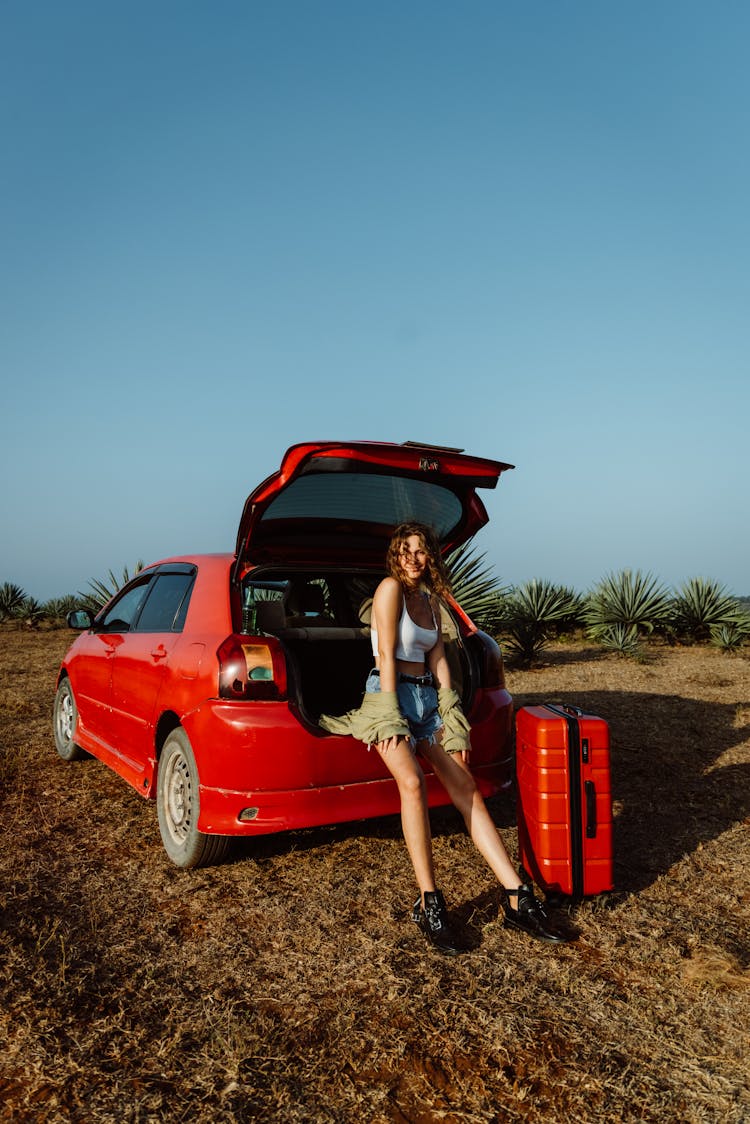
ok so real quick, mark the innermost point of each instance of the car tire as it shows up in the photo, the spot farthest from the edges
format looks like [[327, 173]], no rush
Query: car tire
[[64, 719], [178, 807]]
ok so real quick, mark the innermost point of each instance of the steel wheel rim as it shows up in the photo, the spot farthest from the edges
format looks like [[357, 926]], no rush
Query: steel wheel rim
[[178, 798], [65, 717]]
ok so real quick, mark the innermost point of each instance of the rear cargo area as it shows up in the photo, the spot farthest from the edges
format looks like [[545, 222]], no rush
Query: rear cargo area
[[323, 623]]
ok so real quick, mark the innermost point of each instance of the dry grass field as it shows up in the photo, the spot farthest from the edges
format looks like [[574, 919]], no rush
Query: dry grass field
[[289, 985]]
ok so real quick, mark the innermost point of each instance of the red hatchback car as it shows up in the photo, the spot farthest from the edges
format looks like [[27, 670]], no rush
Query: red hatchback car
[[202, 681]]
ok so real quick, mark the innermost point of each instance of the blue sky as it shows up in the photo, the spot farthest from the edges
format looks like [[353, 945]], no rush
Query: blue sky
[[517, 228]]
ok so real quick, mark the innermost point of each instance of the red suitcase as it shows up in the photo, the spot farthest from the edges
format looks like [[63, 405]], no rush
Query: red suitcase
[[564, 799]]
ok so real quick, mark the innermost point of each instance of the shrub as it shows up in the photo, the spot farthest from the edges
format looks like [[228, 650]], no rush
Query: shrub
[[103, 590], [30, 612], [476, 588], [701, 607], [573, 612], [57, 608], [530, 616], [621, 638], [631, 600], [731, 636], [11, 599]]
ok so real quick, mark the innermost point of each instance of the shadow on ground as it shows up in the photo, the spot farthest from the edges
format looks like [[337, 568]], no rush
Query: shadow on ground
[[671, 792]]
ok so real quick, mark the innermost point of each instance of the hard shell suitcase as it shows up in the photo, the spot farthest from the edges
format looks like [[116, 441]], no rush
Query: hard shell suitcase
[[564, 799]]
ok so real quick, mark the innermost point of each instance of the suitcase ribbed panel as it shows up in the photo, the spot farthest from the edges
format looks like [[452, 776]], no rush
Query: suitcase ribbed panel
[[564, 799]]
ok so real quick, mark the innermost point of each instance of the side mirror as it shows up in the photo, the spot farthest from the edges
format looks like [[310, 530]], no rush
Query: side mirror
[[80, 619]]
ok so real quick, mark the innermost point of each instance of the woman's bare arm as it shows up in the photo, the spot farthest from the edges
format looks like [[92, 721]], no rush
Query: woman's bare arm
[[386, 610]]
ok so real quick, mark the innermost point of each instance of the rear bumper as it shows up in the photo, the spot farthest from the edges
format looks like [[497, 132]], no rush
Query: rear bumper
[[258, 756], [289, 810]]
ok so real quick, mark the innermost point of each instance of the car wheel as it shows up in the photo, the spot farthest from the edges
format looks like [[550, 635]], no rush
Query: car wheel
[[178, 806], [64, 718]]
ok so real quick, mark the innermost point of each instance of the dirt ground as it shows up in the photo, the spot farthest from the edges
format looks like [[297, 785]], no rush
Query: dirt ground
[[289, 984]]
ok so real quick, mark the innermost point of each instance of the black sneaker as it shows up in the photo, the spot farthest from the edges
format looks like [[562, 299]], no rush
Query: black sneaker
[[434, 923], [530, 916]]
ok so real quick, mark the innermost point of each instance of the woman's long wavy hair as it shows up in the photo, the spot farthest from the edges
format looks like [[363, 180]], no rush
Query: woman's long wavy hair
[[435, 575]]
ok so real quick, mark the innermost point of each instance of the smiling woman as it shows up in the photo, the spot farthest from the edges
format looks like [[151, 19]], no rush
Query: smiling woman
[[414, 710]]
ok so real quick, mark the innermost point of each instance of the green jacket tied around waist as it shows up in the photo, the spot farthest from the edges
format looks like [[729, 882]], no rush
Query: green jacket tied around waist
[[379, 718]]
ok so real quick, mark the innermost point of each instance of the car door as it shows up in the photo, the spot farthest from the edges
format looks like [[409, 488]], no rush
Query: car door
[[142, 662], [91, 668]]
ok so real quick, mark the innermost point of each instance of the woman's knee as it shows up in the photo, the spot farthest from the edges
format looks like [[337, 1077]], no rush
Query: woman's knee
[[412, 785]]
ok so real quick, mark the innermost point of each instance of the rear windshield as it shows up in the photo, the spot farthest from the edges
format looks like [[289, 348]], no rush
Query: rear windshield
[[368, 498]]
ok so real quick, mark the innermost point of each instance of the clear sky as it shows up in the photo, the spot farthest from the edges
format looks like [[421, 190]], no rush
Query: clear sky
[[517, 228]]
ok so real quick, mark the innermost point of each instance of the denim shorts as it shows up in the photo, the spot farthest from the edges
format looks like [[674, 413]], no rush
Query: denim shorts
[[418, 704]]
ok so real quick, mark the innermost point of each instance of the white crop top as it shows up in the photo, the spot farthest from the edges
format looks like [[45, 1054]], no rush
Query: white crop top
[[413, 641]]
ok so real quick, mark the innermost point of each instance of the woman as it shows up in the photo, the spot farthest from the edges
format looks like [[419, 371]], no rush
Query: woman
[[411, 670]]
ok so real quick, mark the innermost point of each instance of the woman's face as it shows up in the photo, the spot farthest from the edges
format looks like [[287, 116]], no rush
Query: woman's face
[[413, 559]]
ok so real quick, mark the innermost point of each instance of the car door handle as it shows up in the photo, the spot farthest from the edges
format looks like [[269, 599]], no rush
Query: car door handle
[[159, 653]]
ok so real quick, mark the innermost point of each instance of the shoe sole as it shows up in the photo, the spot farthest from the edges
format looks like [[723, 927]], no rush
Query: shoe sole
[[431, 943], [546, 938], [444, 951]]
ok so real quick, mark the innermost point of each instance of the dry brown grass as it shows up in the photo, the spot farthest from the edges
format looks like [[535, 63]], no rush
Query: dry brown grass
[[289, 984]]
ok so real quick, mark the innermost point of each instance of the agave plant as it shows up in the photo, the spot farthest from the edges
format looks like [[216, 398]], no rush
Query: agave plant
[[57, 608], [530, 617], [732, 635], [573, 611], [476, 587], [633, 600], [11, 599], [103, 590], [30, 612], [702, 606], [621, 638]]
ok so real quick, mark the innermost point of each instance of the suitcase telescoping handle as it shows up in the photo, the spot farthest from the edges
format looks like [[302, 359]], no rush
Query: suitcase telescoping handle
[[574, 710], [590, 791]]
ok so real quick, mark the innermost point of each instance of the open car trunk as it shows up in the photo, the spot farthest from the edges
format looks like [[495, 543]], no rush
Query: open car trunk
[[311, 548], [322, 621]]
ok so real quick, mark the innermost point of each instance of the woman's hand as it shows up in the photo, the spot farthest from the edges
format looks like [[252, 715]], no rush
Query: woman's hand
[[389, 743]]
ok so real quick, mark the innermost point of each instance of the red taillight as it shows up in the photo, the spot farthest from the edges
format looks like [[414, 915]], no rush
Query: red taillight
[[251, 668]]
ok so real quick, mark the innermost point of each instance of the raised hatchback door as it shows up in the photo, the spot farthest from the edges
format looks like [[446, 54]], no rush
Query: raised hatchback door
[[337, 503]]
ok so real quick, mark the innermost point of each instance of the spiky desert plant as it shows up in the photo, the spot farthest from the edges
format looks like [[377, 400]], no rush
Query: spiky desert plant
[[531, 614], [476, 587], [621, 638], [633, 600], [524, 641], [11, 598], [573, 611], [731, 636], [30, 612], [702, 605], [57, 608], [103, 590]]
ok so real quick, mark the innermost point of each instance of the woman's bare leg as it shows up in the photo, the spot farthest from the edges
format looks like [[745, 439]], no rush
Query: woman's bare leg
[[522, 910], [415, 822], [454, 775]]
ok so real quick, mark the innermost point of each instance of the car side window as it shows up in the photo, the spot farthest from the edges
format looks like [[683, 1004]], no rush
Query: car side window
[[120, 616], [167, 604]]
